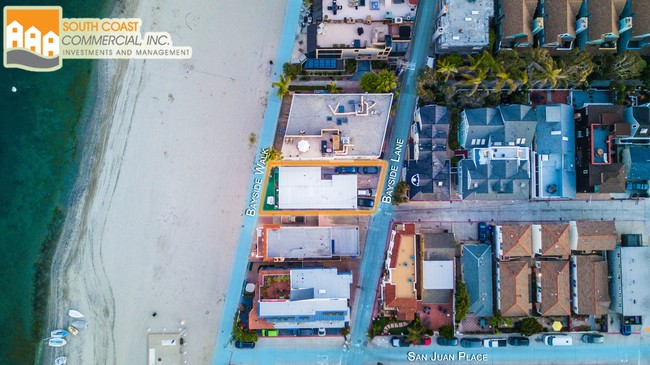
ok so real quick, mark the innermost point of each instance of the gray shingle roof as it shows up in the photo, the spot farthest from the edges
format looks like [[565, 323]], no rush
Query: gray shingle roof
[[477, 274]]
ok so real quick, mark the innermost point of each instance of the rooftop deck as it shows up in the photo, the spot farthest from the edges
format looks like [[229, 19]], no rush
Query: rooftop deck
[[600, 144], [336, 125], [375, 9], [403, 275]]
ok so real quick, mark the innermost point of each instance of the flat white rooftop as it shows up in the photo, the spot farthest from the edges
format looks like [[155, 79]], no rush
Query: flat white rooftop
[[312, 242], [438, 274], [306, 188], [336, 126]]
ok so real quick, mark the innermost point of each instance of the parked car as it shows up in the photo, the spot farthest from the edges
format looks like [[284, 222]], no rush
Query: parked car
[[471, 342], [365, 203], [244, 345], [364, 192], [322, 332], [626, 329], [636, 186], [447, 341], [397, 341], [482, 232], [270, 333], [369, 170], [303, 332], [424, 341], [346, 170], [593, 338], [558, 340], [518, 341], [495, 342]]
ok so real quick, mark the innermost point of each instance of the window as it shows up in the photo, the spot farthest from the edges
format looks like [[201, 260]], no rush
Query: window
[[33, 49], [523, 141], [50, 53], [50, 40], [14, 30], [32, 36], [644, 130]]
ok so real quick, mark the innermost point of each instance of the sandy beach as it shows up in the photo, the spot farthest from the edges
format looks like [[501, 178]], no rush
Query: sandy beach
[[157, 217]]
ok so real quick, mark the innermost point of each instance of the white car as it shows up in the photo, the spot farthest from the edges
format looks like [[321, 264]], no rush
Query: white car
[[495, 342]]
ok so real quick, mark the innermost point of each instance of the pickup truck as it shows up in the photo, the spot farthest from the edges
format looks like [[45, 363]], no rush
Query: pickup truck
[[495, 342]]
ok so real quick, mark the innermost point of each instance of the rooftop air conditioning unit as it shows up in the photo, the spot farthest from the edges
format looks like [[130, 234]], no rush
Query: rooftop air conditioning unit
[[398, 20]]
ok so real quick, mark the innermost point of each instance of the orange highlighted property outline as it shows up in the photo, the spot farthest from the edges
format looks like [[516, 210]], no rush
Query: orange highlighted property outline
[[383, 165]]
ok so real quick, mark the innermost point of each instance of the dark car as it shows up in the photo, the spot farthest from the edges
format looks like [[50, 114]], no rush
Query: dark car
[[244, 345], [482, 232], [447, 341], [399, 342], [369, 170], [518, 341], [365, 203], [471, 342], [346, 170], [593, 338], [626, 329], [303, 332], [636, 186]]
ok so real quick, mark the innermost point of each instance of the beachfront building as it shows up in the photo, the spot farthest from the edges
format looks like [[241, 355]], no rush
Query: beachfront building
[[630, 272], [359, 29], [301, 298], [50, 44], [277, 243], [336, 126], [463, 27], [497, 143], [555, 152], [14, 35], [311, 188]]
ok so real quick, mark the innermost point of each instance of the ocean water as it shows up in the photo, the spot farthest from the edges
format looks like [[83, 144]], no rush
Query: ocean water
[[40, 141]]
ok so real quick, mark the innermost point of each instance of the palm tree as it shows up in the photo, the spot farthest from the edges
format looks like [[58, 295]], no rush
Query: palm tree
[[416, 330], [283, 86], [548, 75], [474, 81], [446, 68], [331, 87], [271, 154], [504, 78], [386, 82]]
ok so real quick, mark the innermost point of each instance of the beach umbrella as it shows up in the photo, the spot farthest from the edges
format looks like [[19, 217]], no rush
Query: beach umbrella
[[557, 326], [303, 146]]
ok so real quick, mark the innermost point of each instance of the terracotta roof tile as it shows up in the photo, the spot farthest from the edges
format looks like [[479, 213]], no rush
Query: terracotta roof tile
[[555, 281], [556, 240], [405, 307], [517, 240], [596, 235], [592, 285], [515, 288]]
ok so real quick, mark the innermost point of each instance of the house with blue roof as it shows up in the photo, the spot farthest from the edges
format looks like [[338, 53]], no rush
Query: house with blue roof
[[637, 161], [498, 142], [555, 152], [477, 275]]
